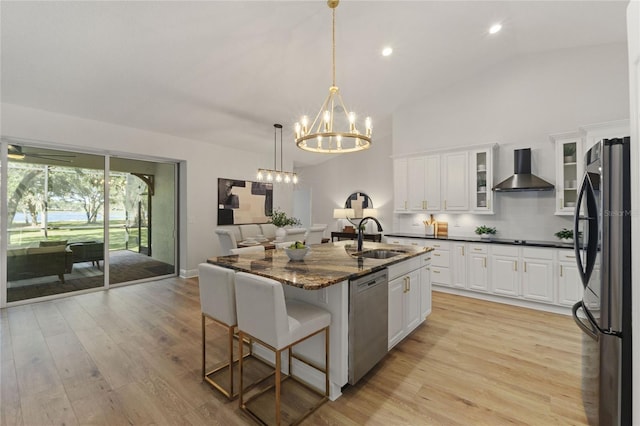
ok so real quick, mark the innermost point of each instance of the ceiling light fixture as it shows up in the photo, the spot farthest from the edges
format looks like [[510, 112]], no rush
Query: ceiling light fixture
[[275, 175], [495, 28], [334, 129], [387, 51]]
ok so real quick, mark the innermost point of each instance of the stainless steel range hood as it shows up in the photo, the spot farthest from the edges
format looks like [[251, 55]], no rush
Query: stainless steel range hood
[[522, 179]]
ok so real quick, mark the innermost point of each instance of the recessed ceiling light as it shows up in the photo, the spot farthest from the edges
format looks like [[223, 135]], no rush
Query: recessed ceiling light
[[387, 51], [495, 28]]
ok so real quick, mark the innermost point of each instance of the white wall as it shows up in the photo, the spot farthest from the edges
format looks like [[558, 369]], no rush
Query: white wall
[[518, 104], [202, 165]]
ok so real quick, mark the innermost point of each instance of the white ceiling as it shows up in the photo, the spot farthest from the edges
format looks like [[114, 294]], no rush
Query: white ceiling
[[225, 71]]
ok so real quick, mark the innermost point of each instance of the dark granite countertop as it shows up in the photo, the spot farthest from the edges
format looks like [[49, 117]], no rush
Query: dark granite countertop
[[533, 243], [324, 265]]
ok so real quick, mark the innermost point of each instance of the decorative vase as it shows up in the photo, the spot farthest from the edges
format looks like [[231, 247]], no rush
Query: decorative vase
[[567, 240], [281, 233]]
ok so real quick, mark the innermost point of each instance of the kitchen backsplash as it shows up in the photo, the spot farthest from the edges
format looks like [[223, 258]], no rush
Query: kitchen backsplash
[[522, 215]]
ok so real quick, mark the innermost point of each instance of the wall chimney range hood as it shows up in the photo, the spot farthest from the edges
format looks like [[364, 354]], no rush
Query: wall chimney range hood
[[522, 179]]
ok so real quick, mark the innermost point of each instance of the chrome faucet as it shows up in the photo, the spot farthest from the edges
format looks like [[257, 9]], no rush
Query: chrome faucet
[[360, 231]]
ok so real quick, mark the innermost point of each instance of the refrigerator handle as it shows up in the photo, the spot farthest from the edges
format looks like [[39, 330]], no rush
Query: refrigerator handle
[[590, 330], [586, 195]]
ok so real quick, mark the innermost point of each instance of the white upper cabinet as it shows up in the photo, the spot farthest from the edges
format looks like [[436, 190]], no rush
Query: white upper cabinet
[[416, 181], [455, 181], [481, 193], [569, 169], [432, 192], [400, 185], [610, 129]]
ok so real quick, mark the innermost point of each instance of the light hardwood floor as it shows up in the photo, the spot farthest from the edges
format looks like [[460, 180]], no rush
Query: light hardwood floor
[[132, 356]]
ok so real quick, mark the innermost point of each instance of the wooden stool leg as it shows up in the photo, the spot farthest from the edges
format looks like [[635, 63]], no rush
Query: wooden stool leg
[[326, 361], [204, 351], [231, 361]]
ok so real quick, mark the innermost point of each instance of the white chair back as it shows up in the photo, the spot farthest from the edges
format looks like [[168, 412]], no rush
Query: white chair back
[[227, 241], [251, 249], [249, 231], [217, 293], [261, 309], [268, 230], [295, 233], [315, 234]]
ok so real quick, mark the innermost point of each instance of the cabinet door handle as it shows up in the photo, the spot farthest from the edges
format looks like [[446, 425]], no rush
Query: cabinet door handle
[[569, 256], [408, 284], [561, 202], [405, 205], [484, 261], [477, 249], [515, 265], [560, 270], [525, 266], [436, 254], [435, 271], [462, 250], [489, 204], [445, 204]]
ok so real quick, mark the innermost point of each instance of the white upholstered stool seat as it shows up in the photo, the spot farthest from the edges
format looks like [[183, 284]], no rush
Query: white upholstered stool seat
[[278, 324], [251, 249], [218, 302]]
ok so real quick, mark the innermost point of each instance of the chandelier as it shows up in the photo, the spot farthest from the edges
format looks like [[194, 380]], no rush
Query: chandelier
[[275, 175], [334, 128]]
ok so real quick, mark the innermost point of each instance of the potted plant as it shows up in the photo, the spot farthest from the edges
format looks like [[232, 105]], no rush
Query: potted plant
[[280, 220], [485, 231], [565, 235], [569, 153]]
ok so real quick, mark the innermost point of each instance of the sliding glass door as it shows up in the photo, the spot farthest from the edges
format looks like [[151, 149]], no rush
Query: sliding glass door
[[56, 216]]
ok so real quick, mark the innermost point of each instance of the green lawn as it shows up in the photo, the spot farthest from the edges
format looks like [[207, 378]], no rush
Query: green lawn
[[28, 236]]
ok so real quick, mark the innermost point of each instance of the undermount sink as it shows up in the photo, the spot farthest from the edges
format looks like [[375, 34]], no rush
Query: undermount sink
[[379, 253]]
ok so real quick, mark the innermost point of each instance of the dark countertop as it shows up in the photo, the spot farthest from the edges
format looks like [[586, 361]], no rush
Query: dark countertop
[[324, 265], [533, 243]]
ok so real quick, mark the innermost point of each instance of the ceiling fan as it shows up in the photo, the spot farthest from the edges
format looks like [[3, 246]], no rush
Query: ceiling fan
[[16, 152]]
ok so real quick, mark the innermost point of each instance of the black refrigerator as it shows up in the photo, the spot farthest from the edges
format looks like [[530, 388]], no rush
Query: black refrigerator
[[602, 231]]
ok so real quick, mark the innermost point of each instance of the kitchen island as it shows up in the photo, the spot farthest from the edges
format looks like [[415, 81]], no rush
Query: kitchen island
[[322, 279]]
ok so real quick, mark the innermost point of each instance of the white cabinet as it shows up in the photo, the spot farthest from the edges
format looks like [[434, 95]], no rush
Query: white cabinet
[[481, 173], [440, 264], [537, 274], [416, 183], [404, 299], [458, 265], [611, 129], [432, 191], [504, 270], [478, 275], [455, 181], [570, 287], [425, 286], [400, 184], [569, 169]]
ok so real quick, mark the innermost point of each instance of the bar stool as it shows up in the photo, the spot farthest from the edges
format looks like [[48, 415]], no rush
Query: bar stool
[[218, 302], [278, 324]]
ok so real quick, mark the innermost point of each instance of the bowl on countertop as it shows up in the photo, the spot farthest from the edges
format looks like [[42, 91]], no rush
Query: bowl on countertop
[[297, 253]]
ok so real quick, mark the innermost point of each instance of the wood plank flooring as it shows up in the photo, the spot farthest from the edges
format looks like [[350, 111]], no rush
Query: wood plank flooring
[[132, 356]]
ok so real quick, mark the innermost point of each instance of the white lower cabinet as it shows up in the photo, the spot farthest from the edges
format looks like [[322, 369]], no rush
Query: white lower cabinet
[[404, 299], [570, 287], [504, 270], [477, 267], [440, 264], [458, 265], [537, 274]]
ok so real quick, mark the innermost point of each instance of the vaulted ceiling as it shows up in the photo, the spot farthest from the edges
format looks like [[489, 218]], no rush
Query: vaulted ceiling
[[225, 71]]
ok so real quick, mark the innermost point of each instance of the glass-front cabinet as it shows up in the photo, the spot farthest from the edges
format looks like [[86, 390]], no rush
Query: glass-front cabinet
[[481, 194], [569, 169]]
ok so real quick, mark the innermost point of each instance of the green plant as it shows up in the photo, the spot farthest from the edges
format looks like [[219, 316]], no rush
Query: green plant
[[280, 219], [564, 234], [569, 149], [481, 230]]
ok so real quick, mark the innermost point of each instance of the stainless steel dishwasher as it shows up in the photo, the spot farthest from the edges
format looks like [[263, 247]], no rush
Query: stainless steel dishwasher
[[368, 322]]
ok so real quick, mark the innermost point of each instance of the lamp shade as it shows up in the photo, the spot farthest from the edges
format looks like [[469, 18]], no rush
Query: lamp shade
[[339, 214]]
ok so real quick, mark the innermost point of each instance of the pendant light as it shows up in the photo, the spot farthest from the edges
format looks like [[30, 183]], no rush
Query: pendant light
[[275, 175]]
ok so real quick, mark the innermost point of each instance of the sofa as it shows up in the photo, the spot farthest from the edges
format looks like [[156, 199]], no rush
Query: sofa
[[33, 262], [87, 251]]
